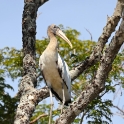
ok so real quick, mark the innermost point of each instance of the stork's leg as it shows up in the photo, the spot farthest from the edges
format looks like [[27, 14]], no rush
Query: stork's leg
[[63, 101], [51, 109]]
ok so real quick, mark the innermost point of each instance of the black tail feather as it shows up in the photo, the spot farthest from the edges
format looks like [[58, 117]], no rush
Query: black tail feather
[[57, 96]]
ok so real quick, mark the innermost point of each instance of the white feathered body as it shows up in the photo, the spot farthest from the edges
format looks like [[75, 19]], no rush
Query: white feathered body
[[55, 72]]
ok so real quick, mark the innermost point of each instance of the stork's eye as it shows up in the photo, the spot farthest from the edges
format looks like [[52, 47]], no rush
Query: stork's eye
[[55, 26]]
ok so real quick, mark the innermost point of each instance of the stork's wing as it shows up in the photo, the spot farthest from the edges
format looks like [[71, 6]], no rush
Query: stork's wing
[[64, 71]]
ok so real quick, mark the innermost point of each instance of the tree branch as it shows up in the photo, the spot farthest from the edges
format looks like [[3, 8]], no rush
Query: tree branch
[[107, 31], [84, 113], [29, 97], [89, 33], [98, 84], [119, 115], [43, 115], [119, 109], [106, 91]]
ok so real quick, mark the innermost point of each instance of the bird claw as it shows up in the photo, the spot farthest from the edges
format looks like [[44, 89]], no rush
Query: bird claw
[[61, 107]]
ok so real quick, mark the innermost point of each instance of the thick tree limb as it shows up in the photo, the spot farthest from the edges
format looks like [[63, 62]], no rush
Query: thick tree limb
[[98, 84], [28, 103], [107, 31], [29, 97]]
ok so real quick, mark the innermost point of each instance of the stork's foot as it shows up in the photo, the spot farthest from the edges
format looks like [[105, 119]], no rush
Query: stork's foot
[[61, 108]]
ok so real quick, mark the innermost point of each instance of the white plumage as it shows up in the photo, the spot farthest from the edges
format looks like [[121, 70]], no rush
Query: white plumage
[[63, 73]]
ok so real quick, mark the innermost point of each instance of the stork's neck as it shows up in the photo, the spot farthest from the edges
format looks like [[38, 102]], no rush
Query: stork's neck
[[53, 44]]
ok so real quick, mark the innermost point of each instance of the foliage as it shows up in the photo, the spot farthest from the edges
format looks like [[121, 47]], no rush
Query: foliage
[[7, 104], [98, 111], [12, 62]]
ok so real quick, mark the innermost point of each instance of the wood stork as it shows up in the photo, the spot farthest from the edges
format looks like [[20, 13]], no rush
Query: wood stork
[[54, 69]]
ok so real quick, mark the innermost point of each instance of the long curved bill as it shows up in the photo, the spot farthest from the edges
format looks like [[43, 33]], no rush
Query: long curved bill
[[62, 35]]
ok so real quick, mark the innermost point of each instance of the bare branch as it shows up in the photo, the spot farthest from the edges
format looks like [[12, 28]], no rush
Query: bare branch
[[107, 91], [119, 115], [107, 31], [38, 15], [117, 92], [122, 111], [89, 33], [36, 119], [84, 113]]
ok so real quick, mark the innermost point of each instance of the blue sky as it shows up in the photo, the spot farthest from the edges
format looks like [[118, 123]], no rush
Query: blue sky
[[77, 14]]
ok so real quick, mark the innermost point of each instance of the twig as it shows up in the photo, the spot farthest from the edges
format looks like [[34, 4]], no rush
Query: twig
[[118, 91], [43, 115], [38, 15], [119, 109], [89, 33], [107, 91], [119, 115], [103, 94], [116, 85], [83, 116]]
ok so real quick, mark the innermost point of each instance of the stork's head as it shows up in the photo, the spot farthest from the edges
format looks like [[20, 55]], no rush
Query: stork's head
[[55, 30]]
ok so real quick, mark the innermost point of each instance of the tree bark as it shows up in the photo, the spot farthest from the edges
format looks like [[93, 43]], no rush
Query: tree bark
[[28, 95]]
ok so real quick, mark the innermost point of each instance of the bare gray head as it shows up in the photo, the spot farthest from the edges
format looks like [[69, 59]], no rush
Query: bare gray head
[[54, 30]]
